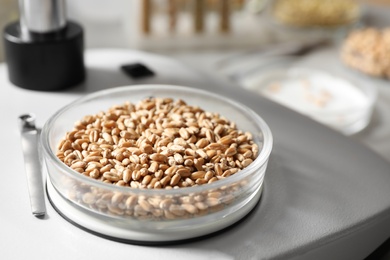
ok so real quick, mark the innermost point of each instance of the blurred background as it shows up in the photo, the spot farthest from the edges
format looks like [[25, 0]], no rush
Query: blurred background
[[185, 25], [179, 27]]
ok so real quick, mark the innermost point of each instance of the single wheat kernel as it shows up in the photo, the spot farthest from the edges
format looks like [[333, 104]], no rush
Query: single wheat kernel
[[209, 174], [146, 180], [198, 175], [175, 179], [184, 172], [230, 151], [213, 179], [111, 176], [212, 201], [158, 158], [89, 198], [169, 215], [190, 208], [171, 170], [184, 133], [178, 158], [201, 205], [153, 167], [246, 162], [146, 206], [94, 173], [78, 164], [165, 180], [177, 210], [117, 198]]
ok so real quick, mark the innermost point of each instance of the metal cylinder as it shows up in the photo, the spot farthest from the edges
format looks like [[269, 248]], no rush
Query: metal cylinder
[[42, 16]]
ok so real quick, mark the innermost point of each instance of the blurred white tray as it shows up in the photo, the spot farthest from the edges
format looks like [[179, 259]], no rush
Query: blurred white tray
[[325, 196]]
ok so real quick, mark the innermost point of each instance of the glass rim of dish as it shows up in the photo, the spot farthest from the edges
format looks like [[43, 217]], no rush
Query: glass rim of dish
[[260, 160]]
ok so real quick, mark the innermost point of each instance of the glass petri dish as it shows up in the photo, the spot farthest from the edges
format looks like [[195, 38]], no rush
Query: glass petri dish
[[341, 101], [153, 216]]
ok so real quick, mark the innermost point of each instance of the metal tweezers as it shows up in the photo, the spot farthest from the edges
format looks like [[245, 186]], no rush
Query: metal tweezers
[[32, 162]]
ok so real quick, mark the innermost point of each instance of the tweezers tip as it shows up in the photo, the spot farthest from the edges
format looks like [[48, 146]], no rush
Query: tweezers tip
[[39, 214]]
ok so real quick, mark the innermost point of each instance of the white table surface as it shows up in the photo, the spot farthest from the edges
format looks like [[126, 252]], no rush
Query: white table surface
[[304, 213]]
